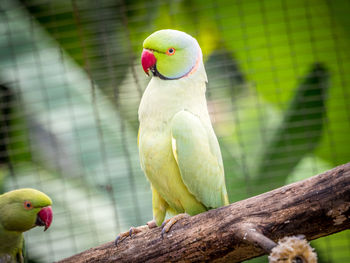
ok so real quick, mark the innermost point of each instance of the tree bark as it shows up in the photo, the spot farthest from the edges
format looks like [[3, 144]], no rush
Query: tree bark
[[315, 207]]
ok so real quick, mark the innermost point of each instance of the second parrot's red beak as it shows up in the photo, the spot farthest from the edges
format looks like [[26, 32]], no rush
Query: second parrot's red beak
[[148, 60], [44, 217]]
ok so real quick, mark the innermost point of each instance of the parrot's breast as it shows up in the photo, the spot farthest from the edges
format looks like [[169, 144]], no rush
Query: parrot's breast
[[161, 101], [160, 167]]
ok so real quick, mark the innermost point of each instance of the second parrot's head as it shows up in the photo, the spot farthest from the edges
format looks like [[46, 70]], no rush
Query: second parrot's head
[[170, 54], [23, 209]]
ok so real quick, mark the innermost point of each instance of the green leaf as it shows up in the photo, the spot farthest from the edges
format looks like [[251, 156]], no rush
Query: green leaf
[[14, 143], [299, 132], [6, 97], [98, 46]]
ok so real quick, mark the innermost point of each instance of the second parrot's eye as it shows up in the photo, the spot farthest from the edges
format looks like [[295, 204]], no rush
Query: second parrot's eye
[[28, 205], [170, 51]]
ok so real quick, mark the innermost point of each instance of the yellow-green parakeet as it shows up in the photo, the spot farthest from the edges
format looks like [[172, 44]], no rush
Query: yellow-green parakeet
[[21, 210], [179, 151]]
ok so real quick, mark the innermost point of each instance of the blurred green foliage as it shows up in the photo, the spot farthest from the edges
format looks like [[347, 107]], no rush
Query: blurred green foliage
[[278, 94], [299, 131]]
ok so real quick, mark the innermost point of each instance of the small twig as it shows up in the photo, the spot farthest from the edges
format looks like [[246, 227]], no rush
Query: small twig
[[252, 235]]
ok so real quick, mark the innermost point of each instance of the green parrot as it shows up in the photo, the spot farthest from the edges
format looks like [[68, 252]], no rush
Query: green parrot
[[178, 149], [21, 210]]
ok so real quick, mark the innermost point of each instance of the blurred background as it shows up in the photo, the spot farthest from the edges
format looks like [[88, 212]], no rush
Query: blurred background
[[71, 82]]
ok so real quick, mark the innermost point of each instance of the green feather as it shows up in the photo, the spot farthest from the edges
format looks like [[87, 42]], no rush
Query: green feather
[[198, 159]]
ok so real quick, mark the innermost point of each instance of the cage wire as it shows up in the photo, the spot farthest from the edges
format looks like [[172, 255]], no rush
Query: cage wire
[[71, 82]]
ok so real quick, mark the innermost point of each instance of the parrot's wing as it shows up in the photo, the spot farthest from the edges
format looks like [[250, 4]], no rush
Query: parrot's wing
[[197, 154]]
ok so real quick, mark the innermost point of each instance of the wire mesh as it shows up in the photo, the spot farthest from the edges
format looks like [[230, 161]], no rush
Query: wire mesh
[[71, 82]]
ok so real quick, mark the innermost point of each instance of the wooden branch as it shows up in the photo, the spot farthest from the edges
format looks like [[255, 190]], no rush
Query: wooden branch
[[315, 207]]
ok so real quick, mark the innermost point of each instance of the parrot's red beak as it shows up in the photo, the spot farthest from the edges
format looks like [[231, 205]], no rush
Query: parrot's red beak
[[148, 60], [44, 217]]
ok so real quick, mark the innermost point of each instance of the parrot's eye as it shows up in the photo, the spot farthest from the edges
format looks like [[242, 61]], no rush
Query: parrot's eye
[[170, 51], [28, 205]]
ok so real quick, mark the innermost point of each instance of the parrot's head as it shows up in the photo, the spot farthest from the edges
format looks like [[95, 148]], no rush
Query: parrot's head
[[23, 209], [170, 54]]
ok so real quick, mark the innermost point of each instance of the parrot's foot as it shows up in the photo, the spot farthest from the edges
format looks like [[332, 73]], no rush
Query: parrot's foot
[[167, 224], [133, 231]]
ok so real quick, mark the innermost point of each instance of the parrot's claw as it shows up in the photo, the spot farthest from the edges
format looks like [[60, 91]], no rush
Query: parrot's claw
[[124, 235], [116, 241], [133, 231], [167, 224]]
